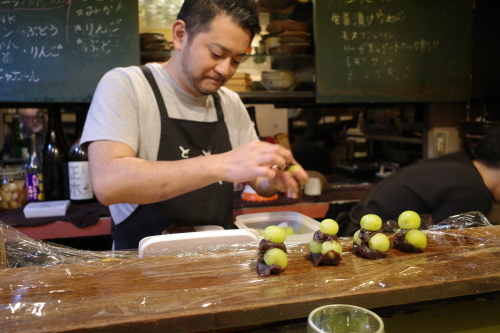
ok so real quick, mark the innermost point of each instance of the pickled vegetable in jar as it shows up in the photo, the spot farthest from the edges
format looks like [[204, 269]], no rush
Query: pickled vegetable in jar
[[13, 187]]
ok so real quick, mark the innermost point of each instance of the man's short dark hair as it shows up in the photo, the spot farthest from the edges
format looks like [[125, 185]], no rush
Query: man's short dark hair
[[488, 149], [199, 14]]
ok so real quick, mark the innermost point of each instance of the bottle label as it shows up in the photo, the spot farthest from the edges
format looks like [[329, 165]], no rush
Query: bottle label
[[80, 186], [34, 187]]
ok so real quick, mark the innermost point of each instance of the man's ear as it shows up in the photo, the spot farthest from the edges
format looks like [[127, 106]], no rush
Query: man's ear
[[179, 34]]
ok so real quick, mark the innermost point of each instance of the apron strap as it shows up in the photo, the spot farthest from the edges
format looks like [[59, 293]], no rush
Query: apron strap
[[218, 107], [152, 82], [159, 99]]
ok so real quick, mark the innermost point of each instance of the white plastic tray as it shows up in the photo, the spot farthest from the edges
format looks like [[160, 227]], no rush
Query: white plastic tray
[[303, 226], [206, 238]]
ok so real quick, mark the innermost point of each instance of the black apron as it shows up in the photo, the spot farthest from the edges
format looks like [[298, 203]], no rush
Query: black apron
[[210, 205]]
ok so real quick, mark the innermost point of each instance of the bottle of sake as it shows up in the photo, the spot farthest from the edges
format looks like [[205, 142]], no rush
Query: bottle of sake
[[55, 158], [80, 184]]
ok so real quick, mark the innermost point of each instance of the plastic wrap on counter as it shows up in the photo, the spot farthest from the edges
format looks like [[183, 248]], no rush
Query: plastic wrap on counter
[[19, 250], [460, 221], [466, 220], [70, 290]]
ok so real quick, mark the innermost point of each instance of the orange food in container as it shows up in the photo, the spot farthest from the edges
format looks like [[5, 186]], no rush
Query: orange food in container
[[249, 194]]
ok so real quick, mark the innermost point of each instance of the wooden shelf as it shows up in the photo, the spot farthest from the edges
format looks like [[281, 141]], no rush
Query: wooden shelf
[[393, 138], [277, 97]]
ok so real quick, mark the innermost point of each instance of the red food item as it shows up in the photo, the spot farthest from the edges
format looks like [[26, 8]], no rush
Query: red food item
[[249, 194], [256, 197]]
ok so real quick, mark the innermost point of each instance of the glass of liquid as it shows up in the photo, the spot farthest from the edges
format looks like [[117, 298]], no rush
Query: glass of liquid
[[343, 318]]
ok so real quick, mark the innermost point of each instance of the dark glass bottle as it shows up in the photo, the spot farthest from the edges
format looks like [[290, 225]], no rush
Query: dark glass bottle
[[18, 147], [55, 158], [34, 173], [80, 184]]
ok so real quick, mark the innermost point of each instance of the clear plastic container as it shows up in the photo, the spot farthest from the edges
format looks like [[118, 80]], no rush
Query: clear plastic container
[[303, 226], [13, 187]]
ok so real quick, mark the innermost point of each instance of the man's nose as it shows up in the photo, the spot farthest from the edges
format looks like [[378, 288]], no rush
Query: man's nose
[[225, 67]]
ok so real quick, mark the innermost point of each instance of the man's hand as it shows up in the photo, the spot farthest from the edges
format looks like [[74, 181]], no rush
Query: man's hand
[[263, 165]]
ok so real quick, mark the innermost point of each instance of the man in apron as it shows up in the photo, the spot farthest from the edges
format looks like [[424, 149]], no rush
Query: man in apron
[[166, 141]]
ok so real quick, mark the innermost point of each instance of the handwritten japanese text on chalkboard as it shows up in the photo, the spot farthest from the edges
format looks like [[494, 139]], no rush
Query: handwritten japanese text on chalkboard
[[370, 54], [393, 50], [34, 29], [60, 41]]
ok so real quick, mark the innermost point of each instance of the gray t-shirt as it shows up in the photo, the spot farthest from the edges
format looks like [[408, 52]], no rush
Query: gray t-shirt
[[124, 109]]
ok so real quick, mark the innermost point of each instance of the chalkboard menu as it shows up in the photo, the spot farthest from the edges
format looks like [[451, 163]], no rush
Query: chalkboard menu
[[393, 50], [54, 51]]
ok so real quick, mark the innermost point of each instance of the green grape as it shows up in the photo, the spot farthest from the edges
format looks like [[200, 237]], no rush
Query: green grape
[[356, 237], [293, 168], [409, 220], [275, 234], [289, 231], [314, 246], [379, 242], [275, 256], [371, 222], [417, 238], [327, 246], [329, 226]]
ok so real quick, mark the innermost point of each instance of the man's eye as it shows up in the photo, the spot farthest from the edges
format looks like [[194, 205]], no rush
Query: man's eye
[[215, 55]]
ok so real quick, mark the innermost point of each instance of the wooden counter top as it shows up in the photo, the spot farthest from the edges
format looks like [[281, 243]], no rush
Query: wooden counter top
[[213, 290]]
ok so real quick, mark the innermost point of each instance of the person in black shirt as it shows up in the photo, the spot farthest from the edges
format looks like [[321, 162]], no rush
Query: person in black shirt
[[445, 186], [313, 151]]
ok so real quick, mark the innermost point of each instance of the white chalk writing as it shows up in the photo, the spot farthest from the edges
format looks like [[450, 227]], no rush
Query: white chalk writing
[[32, 32], [371, 43]]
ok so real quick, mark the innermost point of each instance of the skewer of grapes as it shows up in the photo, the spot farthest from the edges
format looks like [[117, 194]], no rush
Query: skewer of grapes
[[272, 251], [409, 238], [369, 241], [324, 247]]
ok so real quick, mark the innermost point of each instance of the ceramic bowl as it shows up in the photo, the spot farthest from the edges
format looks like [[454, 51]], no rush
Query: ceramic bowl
[[278, 80]]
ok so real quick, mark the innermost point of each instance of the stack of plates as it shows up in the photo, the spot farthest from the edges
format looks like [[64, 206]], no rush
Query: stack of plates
[[288, 37], [154, 47], [295, 42]]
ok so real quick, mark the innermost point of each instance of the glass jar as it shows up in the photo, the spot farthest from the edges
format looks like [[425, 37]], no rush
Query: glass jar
[[13, 187]]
